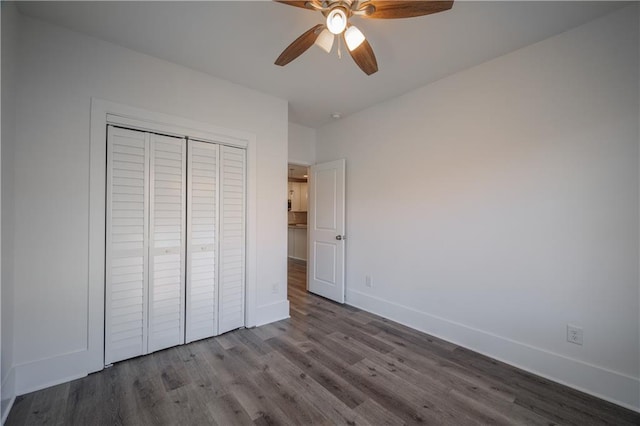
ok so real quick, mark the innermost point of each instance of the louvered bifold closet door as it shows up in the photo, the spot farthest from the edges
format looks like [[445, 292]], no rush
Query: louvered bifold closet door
[[202, 214], [232, 238], [126, 244], [167, 223]]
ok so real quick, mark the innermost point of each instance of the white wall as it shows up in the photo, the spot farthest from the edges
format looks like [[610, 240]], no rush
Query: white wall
[[497, 205], [10, 19], [59, 72], [302, 144]]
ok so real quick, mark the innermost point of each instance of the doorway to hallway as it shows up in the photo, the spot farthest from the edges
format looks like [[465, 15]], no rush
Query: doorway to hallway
[[297, 206]]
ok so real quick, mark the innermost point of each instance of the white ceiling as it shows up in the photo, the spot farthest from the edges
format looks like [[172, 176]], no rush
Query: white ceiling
[[239, 41]]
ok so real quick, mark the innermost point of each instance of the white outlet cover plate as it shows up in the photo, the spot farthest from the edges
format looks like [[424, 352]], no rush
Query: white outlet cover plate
[[574, 334]]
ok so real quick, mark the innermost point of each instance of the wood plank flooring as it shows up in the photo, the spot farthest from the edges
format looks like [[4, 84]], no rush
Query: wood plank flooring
[[328, 364]]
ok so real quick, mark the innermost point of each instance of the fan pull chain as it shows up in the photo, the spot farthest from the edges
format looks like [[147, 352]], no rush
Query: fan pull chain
[[339, 47]]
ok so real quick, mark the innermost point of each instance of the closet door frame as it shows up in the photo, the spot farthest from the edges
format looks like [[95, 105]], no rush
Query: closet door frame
[[105, 112]]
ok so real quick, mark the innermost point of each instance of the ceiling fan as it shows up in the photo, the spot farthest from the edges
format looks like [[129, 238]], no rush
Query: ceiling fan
[[337, 14]]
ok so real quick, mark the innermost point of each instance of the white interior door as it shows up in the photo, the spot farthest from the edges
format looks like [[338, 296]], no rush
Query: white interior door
[[202, 249], [326, 269], [127, 243]]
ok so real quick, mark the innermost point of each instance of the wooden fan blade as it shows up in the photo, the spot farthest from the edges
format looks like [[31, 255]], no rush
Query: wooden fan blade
[[303, 4], [299, 46], [364, 57], [406, 9]]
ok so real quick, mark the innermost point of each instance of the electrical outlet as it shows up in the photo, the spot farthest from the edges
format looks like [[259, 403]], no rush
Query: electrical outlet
[[574, 334], [368, 282], [274, 288]]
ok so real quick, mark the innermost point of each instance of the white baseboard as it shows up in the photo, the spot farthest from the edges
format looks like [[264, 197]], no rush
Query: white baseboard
[[603, 383], [8, 395], [272, 312], [609, 385], [36, 375], [41, 374], [7, 404]]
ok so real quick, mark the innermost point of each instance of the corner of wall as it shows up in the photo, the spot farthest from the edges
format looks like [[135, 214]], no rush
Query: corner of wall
[[302, 144], [8, 394], [272, 312], [638, 26], [9, 40]]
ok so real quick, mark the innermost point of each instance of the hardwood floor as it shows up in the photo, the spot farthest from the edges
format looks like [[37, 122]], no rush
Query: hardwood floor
[[328, 364]]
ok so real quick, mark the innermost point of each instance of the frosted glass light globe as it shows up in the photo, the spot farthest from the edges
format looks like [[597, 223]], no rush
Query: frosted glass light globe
[[337, 20], [353, 37]]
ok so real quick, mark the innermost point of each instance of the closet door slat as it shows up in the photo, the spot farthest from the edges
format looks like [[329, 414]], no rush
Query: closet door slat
[[202, 213], [167, 223], [127, 241], [232, 238]]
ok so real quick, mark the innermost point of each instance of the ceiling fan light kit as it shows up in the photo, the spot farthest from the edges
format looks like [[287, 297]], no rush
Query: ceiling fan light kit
[[337, 20], [325, 40], [353, 37], [337, 14]]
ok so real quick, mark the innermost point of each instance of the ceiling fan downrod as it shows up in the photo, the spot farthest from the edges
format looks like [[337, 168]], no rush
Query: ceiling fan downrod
[[354, 7]]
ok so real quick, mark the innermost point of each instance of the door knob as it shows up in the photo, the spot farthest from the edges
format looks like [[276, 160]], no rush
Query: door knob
[[340, 237]]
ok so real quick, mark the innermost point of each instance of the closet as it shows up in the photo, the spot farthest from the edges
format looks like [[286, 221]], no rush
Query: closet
[[175, 241]]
